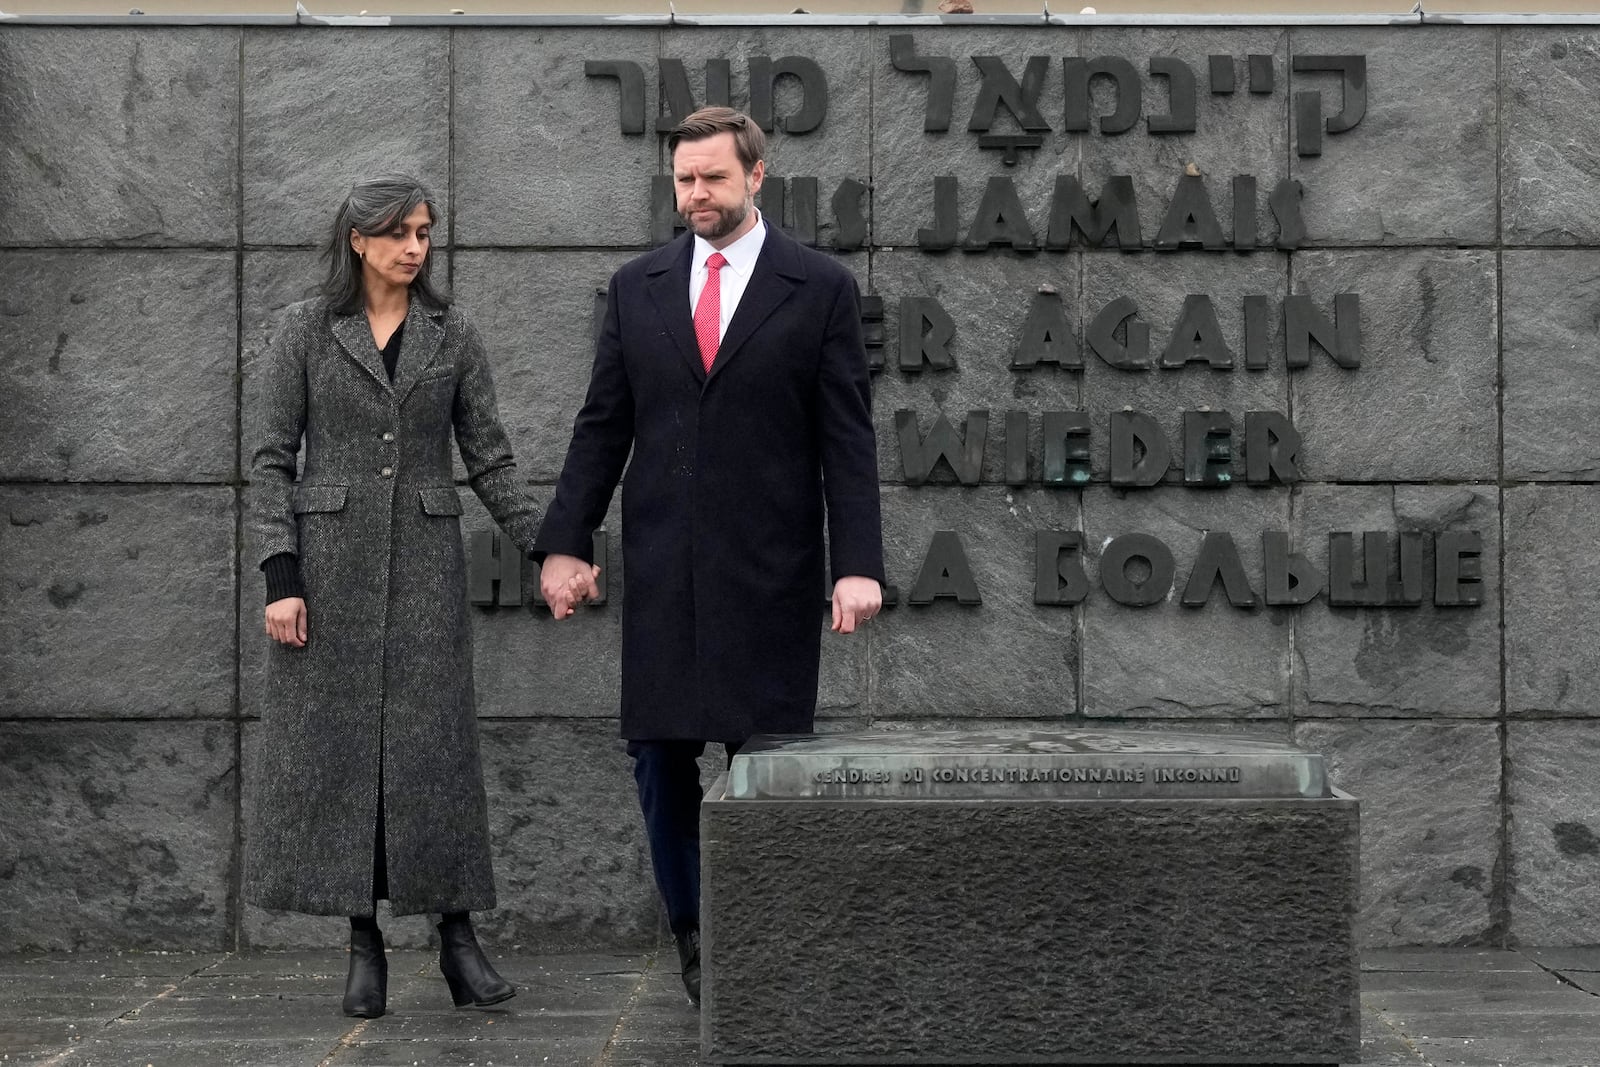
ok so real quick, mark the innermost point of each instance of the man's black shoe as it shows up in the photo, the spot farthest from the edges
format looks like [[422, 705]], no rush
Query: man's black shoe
[[689, 960]]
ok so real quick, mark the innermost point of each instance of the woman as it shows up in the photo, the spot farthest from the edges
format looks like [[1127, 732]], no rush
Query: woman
[[368, 784]]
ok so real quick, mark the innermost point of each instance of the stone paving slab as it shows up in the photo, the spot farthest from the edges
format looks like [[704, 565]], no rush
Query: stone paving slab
[[1420, 1008]]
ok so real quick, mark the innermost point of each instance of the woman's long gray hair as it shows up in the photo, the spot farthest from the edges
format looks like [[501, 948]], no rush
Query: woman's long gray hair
[[375, 206]]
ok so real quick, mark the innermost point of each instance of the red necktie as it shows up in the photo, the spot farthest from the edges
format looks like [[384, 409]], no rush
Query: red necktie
[[708, 312]]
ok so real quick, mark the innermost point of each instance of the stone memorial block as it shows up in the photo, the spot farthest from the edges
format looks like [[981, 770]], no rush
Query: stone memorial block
[[1555, 833], [1551, 342], [1418, 165], [540, 156], [119, 136], [1028, 897], [117, 366], [1548, 135], [970, 554], [1430, 825], [1422, 403], [325, 109], [1172, 658], [1552, 658]]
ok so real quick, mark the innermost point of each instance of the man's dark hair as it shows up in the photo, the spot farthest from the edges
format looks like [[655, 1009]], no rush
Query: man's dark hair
[[748, 140]]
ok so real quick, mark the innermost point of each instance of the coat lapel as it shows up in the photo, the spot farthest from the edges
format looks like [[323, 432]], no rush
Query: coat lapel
[[419, 345], [777, 271], [667, 279], [355, 336]]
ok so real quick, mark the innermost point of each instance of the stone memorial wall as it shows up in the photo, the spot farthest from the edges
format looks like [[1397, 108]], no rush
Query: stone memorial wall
[[1238, 378]]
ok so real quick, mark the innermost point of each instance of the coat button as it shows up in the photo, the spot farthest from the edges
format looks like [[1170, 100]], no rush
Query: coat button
[[387, 472], [388, 437]]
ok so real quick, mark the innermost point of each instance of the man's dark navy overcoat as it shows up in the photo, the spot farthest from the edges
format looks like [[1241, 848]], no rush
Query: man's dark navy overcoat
[[723, 501]]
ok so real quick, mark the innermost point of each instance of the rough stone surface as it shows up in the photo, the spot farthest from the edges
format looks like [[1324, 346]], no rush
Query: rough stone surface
[[1430, 825], [117, 366], [1159, 284], [988, 300], [1029, 654], [272, 281], [114, 602], [906, 159], [1420, 167], [537, 145], [527, 664], [1208, 932], [537, 313], [1421, 661], [1552, 661], [1551, 342], [1549, 159], [324, 109], [1237, 133], [118, 136], [1554, 848], [569, 854], [117, 835], [835, 151], [1172, 661], [1422, 403]]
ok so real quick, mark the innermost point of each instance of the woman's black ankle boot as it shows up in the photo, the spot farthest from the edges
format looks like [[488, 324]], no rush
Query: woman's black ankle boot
[[472, 979], [367, 987]]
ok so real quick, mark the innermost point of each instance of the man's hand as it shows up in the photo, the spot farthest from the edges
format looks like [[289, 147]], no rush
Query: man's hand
[[286, 621], [855, 600], [566, 582]]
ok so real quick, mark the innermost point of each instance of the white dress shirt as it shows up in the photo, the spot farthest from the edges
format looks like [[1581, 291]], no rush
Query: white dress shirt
[[741, 257]]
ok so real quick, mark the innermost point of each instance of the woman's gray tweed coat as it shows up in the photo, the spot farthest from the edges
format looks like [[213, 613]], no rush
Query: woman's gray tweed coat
[[386, 672]]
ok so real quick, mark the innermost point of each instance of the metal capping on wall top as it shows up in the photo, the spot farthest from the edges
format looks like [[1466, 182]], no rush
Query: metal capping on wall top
[[1045, 17]]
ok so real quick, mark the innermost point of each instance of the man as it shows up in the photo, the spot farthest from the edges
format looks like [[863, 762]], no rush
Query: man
[[730, 363]]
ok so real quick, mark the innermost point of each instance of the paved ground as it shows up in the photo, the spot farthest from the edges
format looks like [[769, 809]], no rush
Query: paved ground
[[1447, 1008]]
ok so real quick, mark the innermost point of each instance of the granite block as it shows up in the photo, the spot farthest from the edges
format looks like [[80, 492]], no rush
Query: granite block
[[1195, 931], [1419, 168], [1551, 342], [1552, 662], [1023, 658], [1169, 660], [539, 156], [1235, 133], [1422, 661], [528, 664], [836, 151], [272, 281], [1430, 825], [538, 313], [1422, 405], [326, 109], [115, 602], [988, 300], [1160, 285], [117, 834], [117, 366], [1554, 818], [119, 136], [1549, 158], [906, 159]]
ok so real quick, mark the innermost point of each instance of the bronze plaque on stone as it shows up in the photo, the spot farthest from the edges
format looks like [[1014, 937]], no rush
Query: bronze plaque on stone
[[1023, 764]]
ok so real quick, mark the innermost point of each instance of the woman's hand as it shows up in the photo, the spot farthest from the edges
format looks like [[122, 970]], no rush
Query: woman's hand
[[286, 621]]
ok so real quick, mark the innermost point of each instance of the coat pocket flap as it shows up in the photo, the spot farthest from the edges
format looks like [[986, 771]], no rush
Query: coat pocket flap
[[309, 498], [440, 500]]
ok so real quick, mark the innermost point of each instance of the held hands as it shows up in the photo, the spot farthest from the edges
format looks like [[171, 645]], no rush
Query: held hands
[[855, 600], [566, 582], [286, 621]]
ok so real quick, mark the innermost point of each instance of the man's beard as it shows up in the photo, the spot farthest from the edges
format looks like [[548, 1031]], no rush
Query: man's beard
[[728, 219]]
